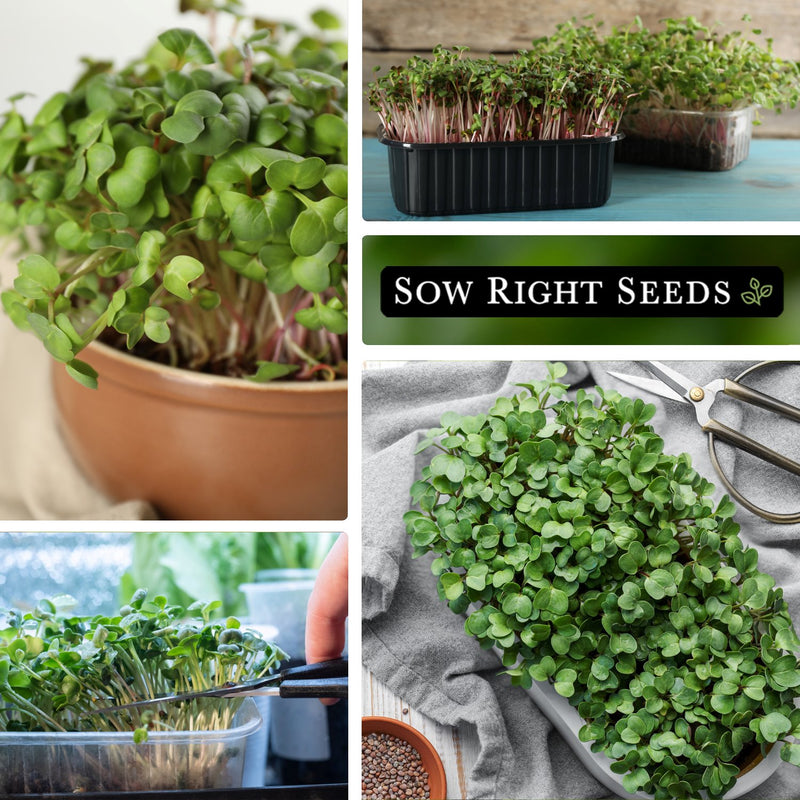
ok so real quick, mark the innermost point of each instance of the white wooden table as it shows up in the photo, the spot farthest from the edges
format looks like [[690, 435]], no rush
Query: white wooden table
[[458, 751]]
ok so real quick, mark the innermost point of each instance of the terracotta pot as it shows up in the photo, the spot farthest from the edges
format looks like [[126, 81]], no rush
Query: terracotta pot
[[432, 764], [205, 447]]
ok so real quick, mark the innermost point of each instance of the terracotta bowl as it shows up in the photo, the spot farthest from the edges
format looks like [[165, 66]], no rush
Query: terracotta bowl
[[430, 758], [207, 447]]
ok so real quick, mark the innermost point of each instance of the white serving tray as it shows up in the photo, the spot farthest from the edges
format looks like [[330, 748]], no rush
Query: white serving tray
[[568, 722]]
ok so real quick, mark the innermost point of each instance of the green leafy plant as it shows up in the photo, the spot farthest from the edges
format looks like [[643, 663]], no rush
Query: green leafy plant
[[688, 65], [56, 666], [190, 206], [593, 560], [535, 95], [187, 566], [292, 550]]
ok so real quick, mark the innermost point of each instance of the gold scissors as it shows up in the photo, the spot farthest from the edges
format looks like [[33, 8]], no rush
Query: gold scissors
[[674, 386]]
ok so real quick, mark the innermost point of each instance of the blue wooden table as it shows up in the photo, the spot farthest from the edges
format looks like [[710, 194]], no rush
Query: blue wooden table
[[764, 187]]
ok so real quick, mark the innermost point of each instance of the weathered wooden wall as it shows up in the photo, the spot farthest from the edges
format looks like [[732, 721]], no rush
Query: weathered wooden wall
[[393, 30]]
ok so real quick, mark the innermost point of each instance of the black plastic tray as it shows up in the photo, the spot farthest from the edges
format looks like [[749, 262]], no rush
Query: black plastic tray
[[332, 791], [495, 177]]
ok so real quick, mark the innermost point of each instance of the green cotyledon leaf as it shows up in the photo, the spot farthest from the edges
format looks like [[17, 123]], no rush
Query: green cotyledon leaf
[[179, 273]]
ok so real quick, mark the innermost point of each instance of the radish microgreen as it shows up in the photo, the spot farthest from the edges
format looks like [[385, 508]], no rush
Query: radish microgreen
[[190, 206], [533, 96]]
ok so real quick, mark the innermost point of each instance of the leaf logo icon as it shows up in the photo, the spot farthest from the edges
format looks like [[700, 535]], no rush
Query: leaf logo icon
[[758, 294]]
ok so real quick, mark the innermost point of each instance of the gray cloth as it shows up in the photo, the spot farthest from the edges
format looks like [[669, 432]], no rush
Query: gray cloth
[[418, 647], [38, 478]]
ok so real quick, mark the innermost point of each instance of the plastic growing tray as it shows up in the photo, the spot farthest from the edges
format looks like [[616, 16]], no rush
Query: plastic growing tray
[[71, 763], [491, 177], [712, 141]]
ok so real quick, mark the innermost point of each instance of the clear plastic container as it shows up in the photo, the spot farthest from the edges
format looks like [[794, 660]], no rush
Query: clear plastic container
[[40, 763], [704, 140], [279, 598]]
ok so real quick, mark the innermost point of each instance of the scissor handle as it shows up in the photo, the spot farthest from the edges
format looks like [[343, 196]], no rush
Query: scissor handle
[[754, 398], [749, 445], [321, 687], [306, 678], [736, 389], [771, 516], [334, 668]]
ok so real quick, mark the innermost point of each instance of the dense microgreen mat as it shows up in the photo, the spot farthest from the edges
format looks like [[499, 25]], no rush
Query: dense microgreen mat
[[684, 64], [191, 205], [595, 561]]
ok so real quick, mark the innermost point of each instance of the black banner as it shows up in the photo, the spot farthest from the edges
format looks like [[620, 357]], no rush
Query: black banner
[[581, 291]]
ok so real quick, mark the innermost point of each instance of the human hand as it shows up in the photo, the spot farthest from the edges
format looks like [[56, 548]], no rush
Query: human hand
[[327, 608]]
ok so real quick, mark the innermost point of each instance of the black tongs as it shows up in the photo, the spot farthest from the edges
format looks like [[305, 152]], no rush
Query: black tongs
[[325, 679]]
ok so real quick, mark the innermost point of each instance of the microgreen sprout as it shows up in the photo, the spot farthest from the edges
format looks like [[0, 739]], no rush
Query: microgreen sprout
[[190, 206], [534, 95], [593, 560]]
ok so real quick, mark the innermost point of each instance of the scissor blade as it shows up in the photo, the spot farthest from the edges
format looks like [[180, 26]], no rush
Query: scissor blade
[[677, 382], [649, 385], [222, 691]]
